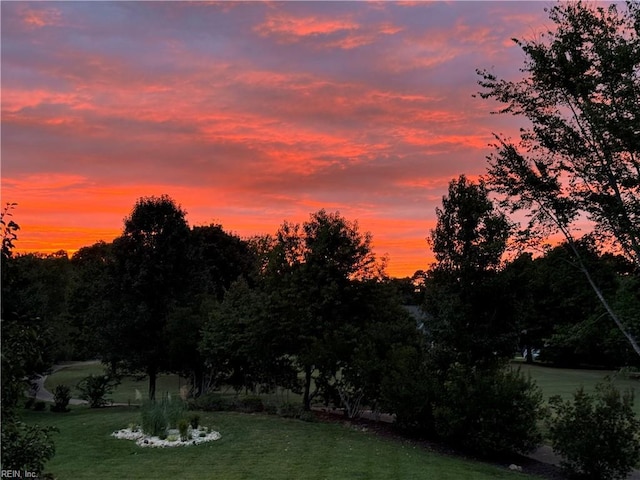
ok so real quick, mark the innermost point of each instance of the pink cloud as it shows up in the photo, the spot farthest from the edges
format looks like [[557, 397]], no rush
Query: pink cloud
[[290, 28], [39, 17], [246, 113]]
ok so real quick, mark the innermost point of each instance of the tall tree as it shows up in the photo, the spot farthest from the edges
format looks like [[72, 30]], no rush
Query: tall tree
[[24, 355], [581, 156], [309, 275], [557, 312], [217, 260], [470, 320], [41, 287], [151, 262], [91, 300]]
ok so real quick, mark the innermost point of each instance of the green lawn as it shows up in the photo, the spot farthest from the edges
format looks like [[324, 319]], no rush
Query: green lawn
[[259, 446], [130, 390], [251, 447], [563, 381], [552, 381], [134, 391]]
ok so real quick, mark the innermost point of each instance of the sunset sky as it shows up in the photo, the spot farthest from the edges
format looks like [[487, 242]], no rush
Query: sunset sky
[[248, 114]]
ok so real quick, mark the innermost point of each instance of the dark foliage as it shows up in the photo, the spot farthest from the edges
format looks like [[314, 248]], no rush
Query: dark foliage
[[598, 435]]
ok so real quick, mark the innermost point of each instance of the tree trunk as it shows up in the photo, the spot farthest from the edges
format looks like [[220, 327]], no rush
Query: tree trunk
[[306, 401], [152, 372], [198, 382]]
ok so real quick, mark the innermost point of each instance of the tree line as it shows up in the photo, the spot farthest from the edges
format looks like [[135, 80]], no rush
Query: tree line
[[310, 308]]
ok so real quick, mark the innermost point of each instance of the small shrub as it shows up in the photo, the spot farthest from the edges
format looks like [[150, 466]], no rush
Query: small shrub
[[250, 405], [488, 412], [39, 406], [598, 435], [406, 390], [194, 420], [211, 402], [172, 438], [61, 398], [183, 427], [307, 416], [26, 447], [289, 410], [95, 388]]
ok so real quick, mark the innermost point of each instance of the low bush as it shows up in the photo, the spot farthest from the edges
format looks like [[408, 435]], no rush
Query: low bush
[[95, 388], [271, 409], [183, 428], [598, 435], [39, 406], [61, 398], [26, 447], [290, 410], [211, 402], [194, 420], [250, 405], [406, 390], [488, 412], [307, 416]]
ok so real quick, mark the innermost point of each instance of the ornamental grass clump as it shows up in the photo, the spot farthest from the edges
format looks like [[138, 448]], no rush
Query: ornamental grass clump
[[154, 420], [162, 414], [175, 409]]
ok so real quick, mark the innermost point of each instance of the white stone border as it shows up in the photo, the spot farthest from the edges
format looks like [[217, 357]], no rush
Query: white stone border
[[144, 440]]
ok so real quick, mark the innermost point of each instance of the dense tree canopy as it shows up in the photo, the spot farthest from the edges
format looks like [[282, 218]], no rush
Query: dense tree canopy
[[25, 354], [470, 318], [151, 264], [580, 156]]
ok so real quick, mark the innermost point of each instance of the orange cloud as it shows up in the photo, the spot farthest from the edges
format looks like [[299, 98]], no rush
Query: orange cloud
[[247, 113], [290, 28], [40, 17]]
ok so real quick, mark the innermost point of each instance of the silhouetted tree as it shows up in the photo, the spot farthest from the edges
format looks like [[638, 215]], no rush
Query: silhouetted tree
[[308, 276], [24, 355], [471, 320], [580, 156], [151, 264]]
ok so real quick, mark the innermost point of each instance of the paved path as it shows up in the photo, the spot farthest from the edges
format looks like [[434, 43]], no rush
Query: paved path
[[45, 395]]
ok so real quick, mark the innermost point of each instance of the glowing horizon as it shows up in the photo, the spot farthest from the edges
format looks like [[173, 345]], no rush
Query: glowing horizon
[[248, 114]]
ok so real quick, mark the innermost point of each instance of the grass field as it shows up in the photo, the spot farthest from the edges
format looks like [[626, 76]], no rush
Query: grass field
[[251, 447], [563, 381], [130, 390], [259, 446], [552, 381]]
